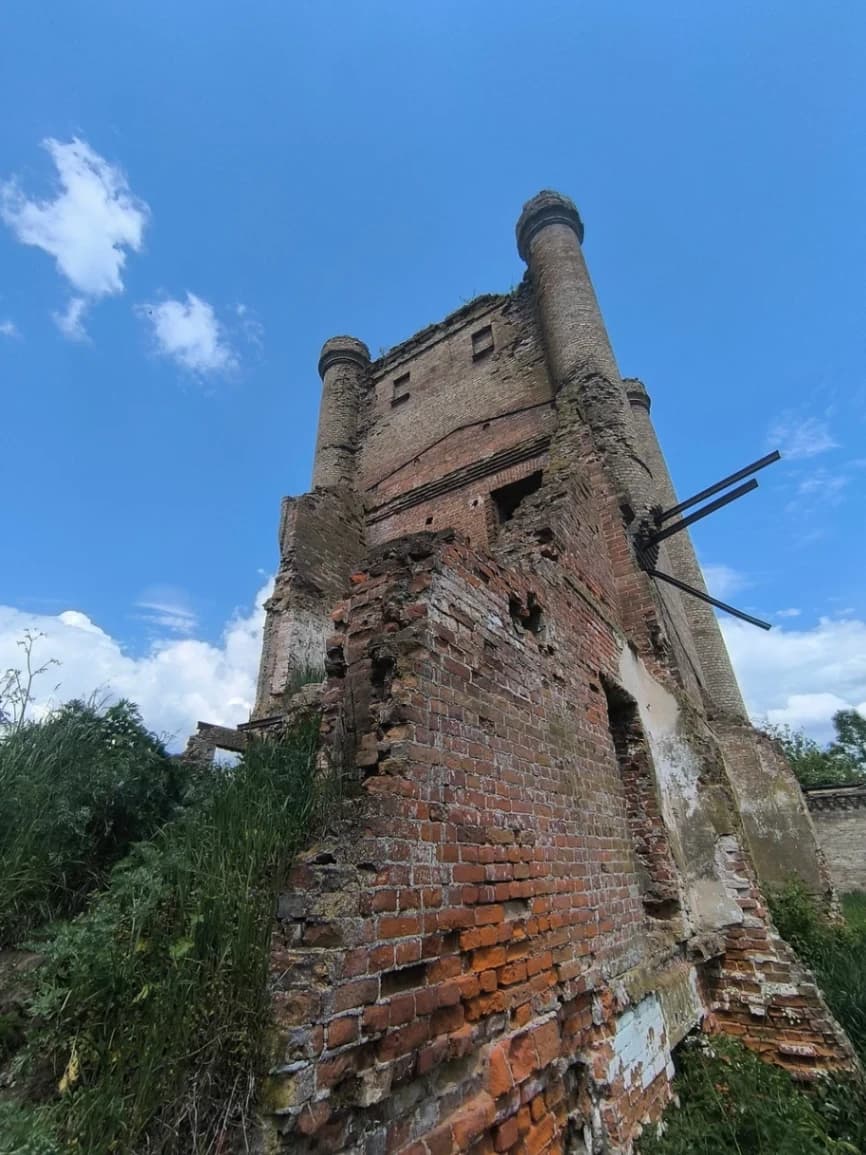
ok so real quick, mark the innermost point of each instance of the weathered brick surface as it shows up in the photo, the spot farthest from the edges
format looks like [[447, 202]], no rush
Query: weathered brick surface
[[469, 947], [545, 868]]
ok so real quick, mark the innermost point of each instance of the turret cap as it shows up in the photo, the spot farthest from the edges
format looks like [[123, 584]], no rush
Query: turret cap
[[341, 349], [636, 392], [546, 208]]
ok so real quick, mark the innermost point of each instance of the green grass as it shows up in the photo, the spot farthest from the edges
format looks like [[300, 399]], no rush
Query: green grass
[[854, 909], [77, 790], [152, 1006]]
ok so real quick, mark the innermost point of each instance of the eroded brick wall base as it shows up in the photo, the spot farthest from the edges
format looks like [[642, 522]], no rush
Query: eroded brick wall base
[[471, 963]]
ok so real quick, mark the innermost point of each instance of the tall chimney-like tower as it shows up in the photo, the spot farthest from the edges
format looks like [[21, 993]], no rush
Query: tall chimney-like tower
[[343, 366], [720, 683], [578, 349]]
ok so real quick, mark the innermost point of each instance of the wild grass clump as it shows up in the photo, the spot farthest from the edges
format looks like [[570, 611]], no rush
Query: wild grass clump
[[151, 1008], [77, 789], [836, 952], [733, 1103]]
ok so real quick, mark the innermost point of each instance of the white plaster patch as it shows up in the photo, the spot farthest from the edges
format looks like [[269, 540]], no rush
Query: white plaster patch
[[678, 775], [640, 1049], [675, 764]]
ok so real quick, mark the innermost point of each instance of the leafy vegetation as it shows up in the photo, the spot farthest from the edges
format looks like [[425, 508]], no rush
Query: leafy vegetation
[[78, 790], [149, 1013], [733, 1103], [836, 952], [841, 763]]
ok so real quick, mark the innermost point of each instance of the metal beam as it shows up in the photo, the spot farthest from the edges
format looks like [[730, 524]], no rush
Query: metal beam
[[666, 577], [747, 487], [720, 485]]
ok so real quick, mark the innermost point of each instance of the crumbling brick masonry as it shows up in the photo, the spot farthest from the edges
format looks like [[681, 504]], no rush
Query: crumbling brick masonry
[[557, 826]]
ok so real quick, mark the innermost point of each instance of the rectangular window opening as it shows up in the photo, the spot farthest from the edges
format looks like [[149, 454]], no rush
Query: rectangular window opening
[[482, 342], [507, 498], [400, 389]]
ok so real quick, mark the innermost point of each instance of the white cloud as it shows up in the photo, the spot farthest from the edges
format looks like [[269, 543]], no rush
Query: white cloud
[[190, 333], [9, 329], [723, 580], [69, 322], [178, 683], [89, 225], [800, 437], [801, 677], [791, 613]]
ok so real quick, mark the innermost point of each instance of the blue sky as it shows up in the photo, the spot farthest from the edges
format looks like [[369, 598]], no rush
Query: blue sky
[[251, 179]]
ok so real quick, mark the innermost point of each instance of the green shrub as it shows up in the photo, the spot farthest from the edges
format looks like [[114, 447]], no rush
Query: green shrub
[[78, 789], [836, 952], [152, 1007], [732, 1103]]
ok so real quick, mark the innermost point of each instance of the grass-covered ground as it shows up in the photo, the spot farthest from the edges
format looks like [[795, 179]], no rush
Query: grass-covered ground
[[147, 1018]]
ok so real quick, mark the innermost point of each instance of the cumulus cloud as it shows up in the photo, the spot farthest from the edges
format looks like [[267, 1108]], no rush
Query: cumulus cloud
[[9, 329], [189, 332], [179, 682], [800, 437], [88, 227], [801, 677]]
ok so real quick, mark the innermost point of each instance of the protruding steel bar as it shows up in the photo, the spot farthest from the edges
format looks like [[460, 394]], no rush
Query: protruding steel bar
[[665, 577], [738, 476], [747, 487]]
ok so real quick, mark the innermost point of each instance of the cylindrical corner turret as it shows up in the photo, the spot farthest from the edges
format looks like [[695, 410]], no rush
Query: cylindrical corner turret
[[719, 679], [637, 395], [549, 239], [344, 365], [579, 353]]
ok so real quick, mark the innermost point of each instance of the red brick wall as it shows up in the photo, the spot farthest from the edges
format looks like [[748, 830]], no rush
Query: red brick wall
[[468, 509], [461, 965]]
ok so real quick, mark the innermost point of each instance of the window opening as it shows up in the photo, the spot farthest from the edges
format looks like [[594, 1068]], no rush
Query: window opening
[[482, 342], [507, 498], [400, 389]]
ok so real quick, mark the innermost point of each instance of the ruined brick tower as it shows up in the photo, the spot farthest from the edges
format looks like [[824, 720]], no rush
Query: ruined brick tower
[[557, 822]]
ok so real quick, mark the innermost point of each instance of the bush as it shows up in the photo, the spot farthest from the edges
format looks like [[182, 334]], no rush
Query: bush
[[78, 789], [152, 1007], [841, 763], [732, 1103]]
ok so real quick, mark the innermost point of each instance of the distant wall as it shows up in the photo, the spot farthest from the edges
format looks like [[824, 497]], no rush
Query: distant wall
[[839, 815]]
